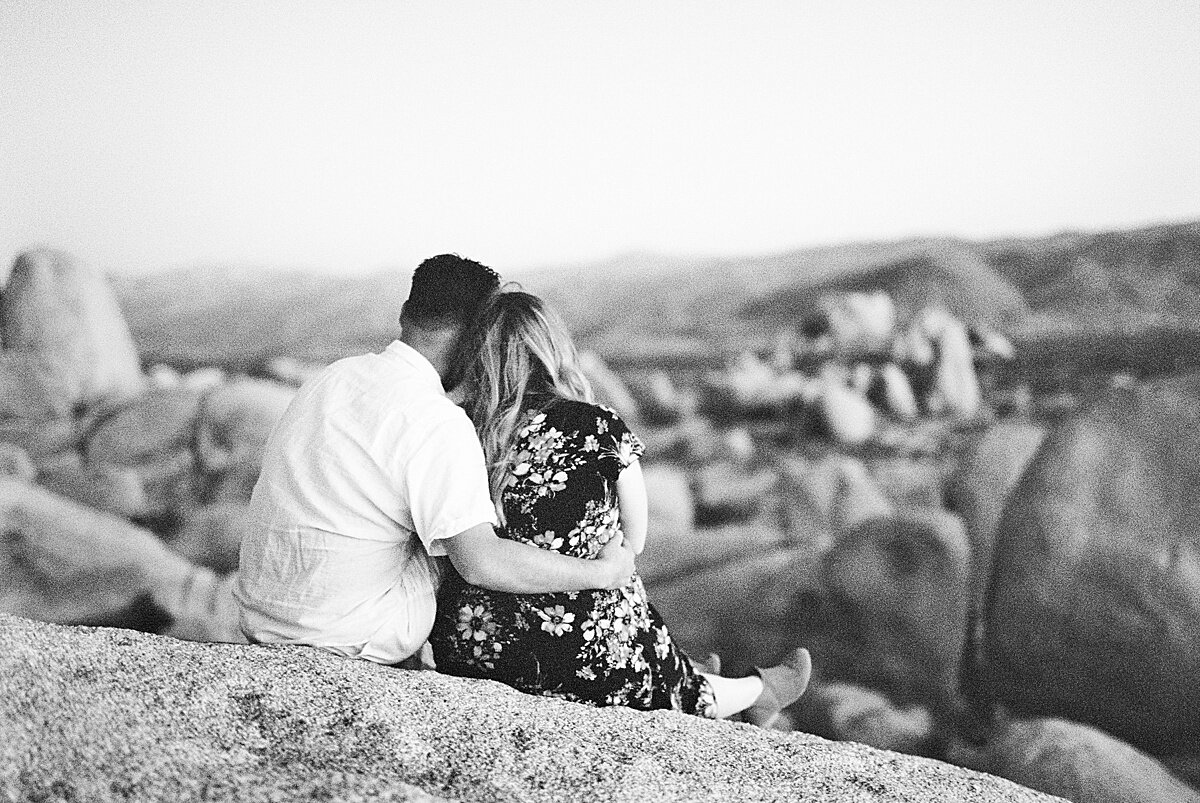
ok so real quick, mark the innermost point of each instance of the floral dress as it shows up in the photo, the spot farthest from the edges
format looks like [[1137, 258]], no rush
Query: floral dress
[[604, 647]]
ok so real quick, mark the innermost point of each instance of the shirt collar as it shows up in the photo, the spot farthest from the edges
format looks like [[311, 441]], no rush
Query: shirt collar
[[410, 356]]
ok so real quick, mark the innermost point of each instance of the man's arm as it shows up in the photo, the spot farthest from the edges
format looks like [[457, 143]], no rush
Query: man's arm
[[484, 559]]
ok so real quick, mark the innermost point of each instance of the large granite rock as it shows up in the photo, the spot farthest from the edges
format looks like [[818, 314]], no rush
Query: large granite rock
[[154, 436], [1094, 606], [892, 611], [849, 713], [105, 714], [161, 421], [35, 387], [62, 309], [981, 487], [63, 562], [211, 535], [235, 421], [738, 591], [101, 486], [1080, 763], [878, 594]]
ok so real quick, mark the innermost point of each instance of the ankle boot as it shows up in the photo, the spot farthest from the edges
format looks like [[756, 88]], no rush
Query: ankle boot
[[783, 684]]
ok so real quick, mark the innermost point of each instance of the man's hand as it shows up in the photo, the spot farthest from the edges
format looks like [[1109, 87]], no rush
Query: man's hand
[[617, 558]]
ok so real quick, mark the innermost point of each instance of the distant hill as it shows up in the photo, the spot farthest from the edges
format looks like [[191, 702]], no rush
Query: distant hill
[[950, 274], [643, 308], [1110, 280], [244, 318]]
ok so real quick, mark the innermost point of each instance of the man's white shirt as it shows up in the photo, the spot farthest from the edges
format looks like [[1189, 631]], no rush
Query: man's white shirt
[[368, 472]]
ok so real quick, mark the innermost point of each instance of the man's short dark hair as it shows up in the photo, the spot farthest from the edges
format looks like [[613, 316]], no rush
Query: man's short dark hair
[[448, 290]]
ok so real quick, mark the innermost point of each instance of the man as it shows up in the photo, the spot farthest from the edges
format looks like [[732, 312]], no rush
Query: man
[[370, 473]]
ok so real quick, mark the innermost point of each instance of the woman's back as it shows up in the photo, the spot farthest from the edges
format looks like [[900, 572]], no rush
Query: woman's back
[[602, 647], [561, 488]]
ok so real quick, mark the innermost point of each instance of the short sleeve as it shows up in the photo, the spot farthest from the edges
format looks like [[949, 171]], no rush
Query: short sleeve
[[447, 486], [619, 445]]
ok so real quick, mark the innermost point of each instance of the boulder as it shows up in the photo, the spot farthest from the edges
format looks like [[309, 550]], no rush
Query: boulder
[[36, 387], [173, 486], [155, 436], [675, 554], [893, 392], [15, 462], [106, 714], [201, 607], [909, 482], [914, 346], [892, 611], [63, 562], [160, 375], [159, 422], [862, 376], [955, 390], [235, 421], [1093, 611], [859, 323], [204, 378], [809, 488], [981, 486], [849, 713], [845, 415], [42, 440], [292, 371], [1184, 766], [211, 535], [728, 492], [1079, 763], [858, 497], [59, 308], [742, 592], [658, 399], [749, 386], [107, 487], [804, 503], [990, 344]]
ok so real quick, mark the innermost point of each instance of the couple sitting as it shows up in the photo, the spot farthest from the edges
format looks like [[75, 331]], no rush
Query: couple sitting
[[535, 496]]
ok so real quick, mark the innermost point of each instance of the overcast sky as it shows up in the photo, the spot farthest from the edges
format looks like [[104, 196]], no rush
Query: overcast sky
[[357, 135]]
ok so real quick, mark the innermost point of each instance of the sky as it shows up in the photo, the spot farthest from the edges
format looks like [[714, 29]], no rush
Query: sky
[[355, 136]]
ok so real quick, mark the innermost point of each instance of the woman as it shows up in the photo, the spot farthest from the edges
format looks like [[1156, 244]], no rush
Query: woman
[[565, 476]]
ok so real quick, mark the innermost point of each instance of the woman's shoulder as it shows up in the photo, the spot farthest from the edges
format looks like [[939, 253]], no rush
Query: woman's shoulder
[[575, 410]]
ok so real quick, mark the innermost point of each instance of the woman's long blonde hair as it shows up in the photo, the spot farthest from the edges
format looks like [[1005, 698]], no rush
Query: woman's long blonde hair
[[522, 357]]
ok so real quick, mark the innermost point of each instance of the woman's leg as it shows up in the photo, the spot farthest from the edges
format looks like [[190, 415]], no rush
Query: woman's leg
[[734, 695], [763, 695]]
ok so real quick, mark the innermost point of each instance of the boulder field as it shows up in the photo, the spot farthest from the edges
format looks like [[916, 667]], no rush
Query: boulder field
[[108, 714]]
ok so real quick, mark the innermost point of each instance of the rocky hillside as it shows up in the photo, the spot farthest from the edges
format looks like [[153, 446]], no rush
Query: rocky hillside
[[105, 714], [652, 308]]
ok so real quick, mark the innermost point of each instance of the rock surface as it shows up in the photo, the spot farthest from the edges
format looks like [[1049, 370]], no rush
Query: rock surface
[[60, 308], [893, 606], [1093, 612], [1082, 764], [982, 486], [63, 562], [106, 714]]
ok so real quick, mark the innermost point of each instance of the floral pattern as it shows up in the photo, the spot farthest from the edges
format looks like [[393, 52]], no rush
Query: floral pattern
[[603, 647]]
